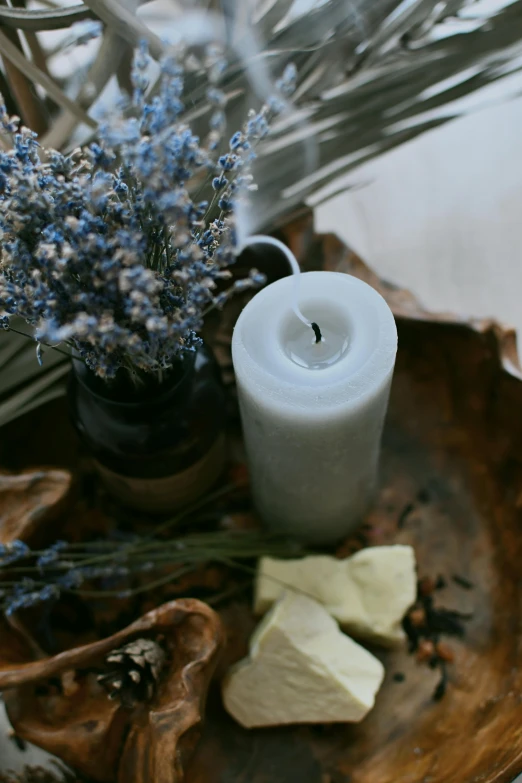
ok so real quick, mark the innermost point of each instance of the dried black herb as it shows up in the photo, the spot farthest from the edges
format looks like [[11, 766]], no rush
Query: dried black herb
[[424, 625], [440, 583], [18, 741], [423, 496], [440, 690], [446, 621], [461, 581], [403, 516]]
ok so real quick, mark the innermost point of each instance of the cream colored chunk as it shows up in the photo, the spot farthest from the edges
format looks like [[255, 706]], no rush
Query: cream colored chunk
[[301, 669], [368, 593]]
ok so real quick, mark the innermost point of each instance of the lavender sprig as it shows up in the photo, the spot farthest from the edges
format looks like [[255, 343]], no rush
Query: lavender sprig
[[111, 566], [106, 568]]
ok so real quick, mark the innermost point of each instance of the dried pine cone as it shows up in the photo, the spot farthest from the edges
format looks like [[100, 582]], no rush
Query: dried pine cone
[[134, 671]]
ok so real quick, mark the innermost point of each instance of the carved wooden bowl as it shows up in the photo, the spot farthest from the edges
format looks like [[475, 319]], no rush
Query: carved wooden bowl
[[452, 487], [452, 458]]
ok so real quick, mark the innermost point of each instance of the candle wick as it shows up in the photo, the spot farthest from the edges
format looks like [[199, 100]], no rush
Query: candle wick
[[317, 332]]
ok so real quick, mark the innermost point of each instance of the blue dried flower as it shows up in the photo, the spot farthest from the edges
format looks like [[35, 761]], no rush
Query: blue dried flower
[[239, 142], [229, 162], [257, 126], [257, 278], [218, 183], [51, 555], [28, 594], [218, 121], [225, 203], [71, 580], [216, 97], [287, 83], [221, 299], [254, 280], [13, 551], [101, 157]]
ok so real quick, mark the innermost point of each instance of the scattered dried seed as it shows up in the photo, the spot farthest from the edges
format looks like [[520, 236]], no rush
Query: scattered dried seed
[[426, 651], [444, 652], [425, 623], [417, 617], [426, 586]]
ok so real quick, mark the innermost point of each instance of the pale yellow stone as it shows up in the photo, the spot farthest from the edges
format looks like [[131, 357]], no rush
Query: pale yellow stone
[[301, 669], [368, 593]]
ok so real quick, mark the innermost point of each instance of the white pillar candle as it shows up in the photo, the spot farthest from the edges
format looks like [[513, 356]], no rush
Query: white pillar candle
[[313, 412]]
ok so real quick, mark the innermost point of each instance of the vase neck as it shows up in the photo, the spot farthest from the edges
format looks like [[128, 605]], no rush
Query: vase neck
[[140, 388]]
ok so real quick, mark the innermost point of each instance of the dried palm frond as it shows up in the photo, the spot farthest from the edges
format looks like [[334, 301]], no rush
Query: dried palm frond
[[371, 77], [24, 385]]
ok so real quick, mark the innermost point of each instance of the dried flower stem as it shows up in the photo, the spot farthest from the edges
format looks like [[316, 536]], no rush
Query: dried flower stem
[[44, 574], [30, 337]]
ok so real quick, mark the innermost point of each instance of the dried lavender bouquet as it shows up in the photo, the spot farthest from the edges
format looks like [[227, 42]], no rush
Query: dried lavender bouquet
[[113, 250]]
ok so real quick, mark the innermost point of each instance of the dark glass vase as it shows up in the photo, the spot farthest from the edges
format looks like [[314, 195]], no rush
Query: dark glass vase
[[158, 445]]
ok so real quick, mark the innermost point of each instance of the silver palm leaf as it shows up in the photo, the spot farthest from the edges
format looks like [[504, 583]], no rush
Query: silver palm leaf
[[373, 74]]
